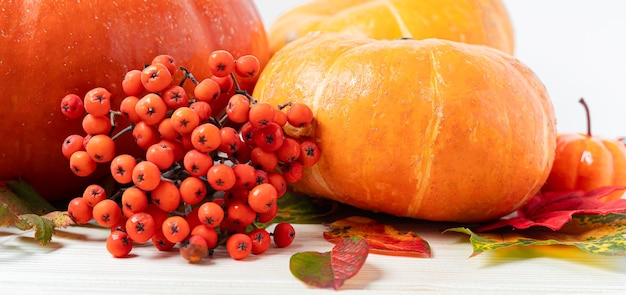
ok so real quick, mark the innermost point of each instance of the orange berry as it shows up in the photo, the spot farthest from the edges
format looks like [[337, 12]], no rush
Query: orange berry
[[82, 164], [107, 213], [101, 148], [146, 175]]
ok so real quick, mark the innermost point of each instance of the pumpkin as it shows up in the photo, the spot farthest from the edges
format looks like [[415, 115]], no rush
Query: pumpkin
[[52, 48], [483, 22], [585, 162], [429, 129]]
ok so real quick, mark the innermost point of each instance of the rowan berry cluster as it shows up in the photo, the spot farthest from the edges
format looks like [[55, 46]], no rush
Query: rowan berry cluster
[[208, 178]]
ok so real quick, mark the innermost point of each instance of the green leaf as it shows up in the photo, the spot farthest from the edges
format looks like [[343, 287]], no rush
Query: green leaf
[[35, 202], [298, 208], [44, 228], [598, 234], [330, 269], [12, 202], [21, 206]]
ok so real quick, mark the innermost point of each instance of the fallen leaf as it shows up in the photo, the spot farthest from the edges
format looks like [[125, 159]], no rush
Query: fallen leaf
[[35, 202], [11, 202], [7, 217], [381, 238], [330, 269], [555, 209], [598, 234], [21, 206], [297, 208], [59, 219], [44, 228]]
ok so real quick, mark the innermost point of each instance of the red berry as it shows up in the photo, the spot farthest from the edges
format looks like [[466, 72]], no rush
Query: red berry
[[262, 198], [79, 210], [166, 60], [175, 96], [221, 63], [299, 115], [309, 153], [131, 85], [239, 246], [98, 101], [141, 227], [210, 214], [292, 171], [156, 77], [284, 234], [247, 66], [261, 240], [119, 244], [94, 194], [261, 114], [107, 213], [208, 90], [270, 137], [72, 144], [72, 106], [175, 229]]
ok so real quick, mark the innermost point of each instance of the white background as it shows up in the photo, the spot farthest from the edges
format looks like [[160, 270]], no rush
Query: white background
[[576, 47]]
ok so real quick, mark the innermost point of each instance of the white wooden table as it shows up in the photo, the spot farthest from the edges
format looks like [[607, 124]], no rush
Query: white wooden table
[[76, 262]]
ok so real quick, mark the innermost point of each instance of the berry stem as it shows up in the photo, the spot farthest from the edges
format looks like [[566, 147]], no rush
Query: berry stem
[[118, 193], [582, 101], [188, 75], [238, 89], [282, 106], [129, 128], [112, 115], [236, 83]]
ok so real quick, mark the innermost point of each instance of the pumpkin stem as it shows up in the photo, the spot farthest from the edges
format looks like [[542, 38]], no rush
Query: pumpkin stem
[[582, 101]]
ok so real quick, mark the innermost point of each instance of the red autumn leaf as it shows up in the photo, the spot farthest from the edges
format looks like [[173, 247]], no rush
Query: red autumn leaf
[[555, 209], [381, 238], [330, 269]]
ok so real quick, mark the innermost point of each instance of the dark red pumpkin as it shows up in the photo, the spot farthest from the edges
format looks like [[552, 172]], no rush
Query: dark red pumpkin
[[51, 48]]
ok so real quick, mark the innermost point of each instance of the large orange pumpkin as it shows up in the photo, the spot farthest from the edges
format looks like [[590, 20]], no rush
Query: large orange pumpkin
[[483, 22], [585, 162], [429, 129], [51, 48]]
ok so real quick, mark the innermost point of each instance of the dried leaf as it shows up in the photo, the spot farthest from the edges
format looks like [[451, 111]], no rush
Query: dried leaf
[[599, 234], [44, 228], [7, 217], [555, 209], [59, 219], [330, 269], [381, 238]]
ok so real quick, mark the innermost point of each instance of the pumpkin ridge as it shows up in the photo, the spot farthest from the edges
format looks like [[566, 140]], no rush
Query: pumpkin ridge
[[406, 33], [318, 177], [432, 129]]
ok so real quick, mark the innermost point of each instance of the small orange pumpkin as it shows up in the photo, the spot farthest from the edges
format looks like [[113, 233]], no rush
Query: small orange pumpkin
[[483, 22], [586, 162], [52, 48], [429, 129]]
